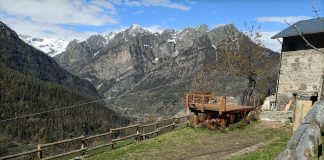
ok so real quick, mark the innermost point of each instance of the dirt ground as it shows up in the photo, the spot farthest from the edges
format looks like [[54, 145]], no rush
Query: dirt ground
[[202, 144], [235, 141]]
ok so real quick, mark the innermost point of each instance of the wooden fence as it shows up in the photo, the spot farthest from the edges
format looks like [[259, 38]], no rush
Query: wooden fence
[[306, 140], [135, 132]]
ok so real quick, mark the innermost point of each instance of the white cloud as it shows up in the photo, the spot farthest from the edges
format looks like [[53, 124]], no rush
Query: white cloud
[[47, 18], [75, 12], [157, 3], [289, 19], [43, 30], [272, 44]]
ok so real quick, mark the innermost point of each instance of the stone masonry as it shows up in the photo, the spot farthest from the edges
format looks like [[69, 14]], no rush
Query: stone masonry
[[301, 72]]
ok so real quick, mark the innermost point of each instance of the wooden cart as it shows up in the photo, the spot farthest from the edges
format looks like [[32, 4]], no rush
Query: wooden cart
[[216, 108]]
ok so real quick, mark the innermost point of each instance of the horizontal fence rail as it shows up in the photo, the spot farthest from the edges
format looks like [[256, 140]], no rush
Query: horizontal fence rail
[[20, 154], [136, 132]]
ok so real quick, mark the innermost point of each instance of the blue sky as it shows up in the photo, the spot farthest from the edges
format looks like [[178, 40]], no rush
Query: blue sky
[[70, 19], [212, 13]]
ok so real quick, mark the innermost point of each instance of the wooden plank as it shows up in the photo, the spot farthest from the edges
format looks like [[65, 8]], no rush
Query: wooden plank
[[63, 141], [100, 146], [167, 126], [64, 154], [126, 127], [222, 107], [146, 134], [98, 135], [147, 125], [187, 103], [202, 103], [20, 154], [166, 119], [288, 106], [130, 136]]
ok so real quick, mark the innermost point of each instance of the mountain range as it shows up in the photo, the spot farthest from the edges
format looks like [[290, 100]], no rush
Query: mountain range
[[135, 59]]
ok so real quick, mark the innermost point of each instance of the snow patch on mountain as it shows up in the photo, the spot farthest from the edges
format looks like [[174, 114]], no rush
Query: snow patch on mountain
[[50, 46], [171, 41], [109, 36]]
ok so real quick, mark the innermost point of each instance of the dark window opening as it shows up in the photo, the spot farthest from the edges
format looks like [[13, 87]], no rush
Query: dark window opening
[[292, 46]]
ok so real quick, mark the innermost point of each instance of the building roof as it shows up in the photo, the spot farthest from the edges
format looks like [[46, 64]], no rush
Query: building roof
[[305, 27]]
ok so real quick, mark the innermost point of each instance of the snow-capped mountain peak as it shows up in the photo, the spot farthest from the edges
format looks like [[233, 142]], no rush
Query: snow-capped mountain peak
[[135, 29], [50, 46]]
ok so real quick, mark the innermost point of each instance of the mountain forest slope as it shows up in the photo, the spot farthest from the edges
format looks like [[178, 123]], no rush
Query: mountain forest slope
[[32, 82]]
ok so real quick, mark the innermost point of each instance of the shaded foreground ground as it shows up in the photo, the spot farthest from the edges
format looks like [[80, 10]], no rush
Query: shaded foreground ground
[[190, 144]]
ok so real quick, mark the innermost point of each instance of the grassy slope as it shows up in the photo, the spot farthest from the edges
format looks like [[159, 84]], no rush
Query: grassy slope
[[188, 143]]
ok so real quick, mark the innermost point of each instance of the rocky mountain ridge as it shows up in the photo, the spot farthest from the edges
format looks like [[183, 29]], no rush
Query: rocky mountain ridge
[[136, 59]]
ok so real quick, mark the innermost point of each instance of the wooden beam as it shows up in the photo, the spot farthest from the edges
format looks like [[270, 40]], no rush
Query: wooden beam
[[20, 154], [63, 141], [120, 128], [98, 135], [146, 134], [167, 126], [222, 105], [119, 139], [65, 154], [187, 103], [147, 125], [196, 119]]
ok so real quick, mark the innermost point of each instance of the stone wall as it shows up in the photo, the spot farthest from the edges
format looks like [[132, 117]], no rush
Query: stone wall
[[301, 72], [279, 116]]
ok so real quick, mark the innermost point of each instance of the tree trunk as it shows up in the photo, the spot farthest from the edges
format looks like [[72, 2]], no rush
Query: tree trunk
[[250, 88]]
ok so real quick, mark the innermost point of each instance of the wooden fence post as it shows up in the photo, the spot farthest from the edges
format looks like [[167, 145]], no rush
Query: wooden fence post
[[138, 134], [254, 101], [196, 117], [222, 105], [157, 127], [188, 121], [173, 124], [187, 104], [40, 151], [82, 145], [111, 137]]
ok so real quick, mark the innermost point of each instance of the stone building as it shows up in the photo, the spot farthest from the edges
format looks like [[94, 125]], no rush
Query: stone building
[[302, 67]]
